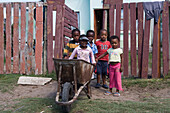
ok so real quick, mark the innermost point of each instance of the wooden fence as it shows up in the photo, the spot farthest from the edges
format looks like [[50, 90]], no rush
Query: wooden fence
[[66, 20], [26, 36], [129, 18], [17, 39]]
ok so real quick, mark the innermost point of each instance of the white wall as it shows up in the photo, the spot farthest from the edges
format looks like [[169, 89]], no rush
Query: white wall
[[83, 6]]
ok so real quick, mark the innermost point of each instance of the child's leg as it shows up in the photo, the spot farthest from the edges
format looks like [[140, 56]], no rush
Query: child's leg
[[111, 76], [98, 78], [118, 78], [98, 74]]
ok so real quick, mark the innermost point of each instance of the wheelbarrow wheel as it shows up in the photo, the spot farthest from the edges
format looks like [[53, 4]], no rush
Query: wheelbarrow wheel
[[67, 94]]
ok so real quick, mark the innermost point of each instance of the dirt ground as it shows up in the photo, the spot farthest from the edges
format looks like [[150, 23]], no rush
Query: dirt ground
[[49, 91]]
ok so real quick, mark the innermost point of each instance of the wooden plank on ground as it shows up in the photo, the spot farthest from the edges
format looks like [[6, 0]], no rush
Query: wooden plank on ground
[[111, 20], [165, 39], [16, 39], [125, 39], [50, 62], [25, 80], [23, 30], [30, 38], [58, 33], [133, 38], [140, 37], [1, 39], [118, 18], [156, 52], [39, 38], [145, 50], [8, 38]]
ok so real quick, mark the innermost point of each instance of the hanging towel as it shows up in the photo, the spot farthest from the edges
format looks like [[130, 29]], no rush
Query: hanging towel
[[153, 10]]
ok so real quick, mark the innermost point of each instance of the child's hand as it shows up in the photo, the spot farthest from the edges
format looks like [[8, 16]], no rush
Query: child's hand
[[121, 69], [94, 64], [96, 60]]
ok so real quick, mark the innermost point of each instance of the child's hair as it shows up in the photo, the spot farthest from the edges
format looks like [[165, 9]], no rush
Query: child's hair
[[89, 32], [75, 30], [103, 30], [114, 37]]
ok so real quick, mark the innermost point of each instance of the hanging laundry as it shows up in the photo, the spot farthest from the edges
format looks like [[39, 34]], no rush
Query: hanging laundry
[[153, 10]]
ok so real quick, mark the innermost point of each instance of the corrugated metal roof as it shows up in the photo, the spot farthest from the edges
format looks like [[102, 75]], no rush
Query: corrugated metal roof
[[19, 1]]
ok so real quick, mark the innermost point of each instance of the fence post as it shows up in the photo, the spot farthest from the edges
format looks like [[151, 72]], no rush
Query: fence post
[[1, 40], [16, 39], [165, 39], [39, 38], [8, 38], [23, 30]]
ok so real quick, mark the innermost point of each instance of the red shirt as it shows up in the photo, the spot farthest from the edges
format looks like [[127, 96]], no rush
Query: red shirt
[[102, 48]]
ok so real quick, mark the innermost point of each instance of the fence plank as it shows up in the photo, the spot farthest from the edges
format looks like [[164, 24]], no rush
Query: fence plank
[[125, 39], [23, 30], [156, 52], [8, 38], [39, 38], [111, 20], [30, 38], [1, 39], [118, 18], [140, 36], [50, 63], [58, 35], [16, 39], [145, 56], [165, 39], [133, 38]]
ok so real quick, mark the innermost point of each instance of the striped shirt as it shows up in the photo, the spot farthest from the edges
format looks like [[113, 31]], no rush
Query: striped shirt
[[71, 45]]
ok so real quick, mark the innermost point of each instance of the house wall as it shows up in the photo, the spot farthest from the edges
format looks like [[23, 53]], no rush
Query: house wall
[[83, 7], [130, 1]]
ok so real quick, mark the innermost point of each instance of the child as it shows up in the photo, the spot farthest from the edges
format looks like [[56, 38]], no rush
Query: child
[[90, 35], [72, 44], [102, 64], [83, 51], [115, 67]]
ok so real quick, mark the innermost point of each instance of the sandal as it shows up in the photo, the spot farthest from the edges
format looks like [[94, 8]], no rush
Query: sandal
[[107, 93], [116, 94]]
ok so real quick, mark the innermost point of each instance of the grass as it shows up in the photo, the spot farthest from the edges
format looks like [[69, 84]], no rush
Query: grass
[[84, 105], [8, 82]]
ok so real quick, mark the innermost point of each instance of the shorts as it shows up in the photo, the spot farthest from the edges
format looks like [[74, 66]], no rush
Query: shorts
[[102, 67]]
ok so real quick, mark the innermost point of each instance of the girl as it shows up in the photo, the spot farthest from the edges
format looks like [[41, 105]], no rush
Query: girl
[[83, 51], [115, 67]]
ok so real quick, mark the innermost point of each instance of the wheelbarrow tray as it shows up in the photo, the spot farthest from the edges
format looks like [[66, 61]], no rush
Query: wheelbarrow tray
[[83, 70]]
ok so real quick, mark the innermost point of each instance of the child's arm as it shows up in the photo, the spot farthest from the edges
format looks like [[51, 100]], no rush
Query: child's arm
[[92, 57], [121, 68], [73, 54], [101, 56]]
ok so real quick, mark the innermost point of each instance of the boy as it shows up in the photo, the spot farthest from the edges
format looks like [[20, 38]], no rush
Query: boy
[[72, 44], [102, 64], [90, 35]]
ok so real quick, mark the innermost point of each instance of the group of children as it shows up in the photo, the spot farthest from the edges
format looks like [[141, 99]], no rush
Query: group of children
[[101, 54]]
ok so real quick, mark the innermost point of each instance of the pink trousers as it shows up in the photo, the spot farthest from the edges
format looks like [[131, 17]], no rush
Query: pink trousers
[[115, 77]]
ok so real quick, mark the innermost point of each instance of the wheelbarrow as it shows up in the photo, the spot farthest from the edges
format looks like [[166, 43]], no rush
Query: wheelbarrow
[[73, 76]]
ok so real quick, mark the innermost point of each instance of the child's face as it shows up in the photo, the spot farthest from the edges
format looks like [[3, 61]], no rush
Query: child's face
[[76, 35], [90, 36], [103, 35], [83, 43], [114, 43]]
